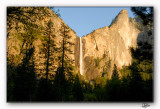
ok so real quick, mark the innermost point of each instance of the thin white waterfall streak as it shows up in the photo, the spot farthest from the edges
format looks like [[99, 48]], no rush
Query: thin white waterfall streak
[[81, 70]]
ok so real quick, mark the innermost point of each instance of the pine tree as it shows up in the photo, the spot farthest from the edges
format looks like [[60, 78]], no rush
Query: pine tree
[[65, 48], [27, 38], [60, 85], [115, 74], [145, 13], [48, 49], [77, 90], [25, 80], [136, 83], [65, 63]]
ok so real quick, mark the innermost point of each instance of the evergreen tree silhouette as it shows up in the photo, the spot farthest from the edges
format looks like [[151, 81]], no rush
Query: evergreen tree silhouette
[[77, 90], [65, 63], [60, 85], [145, 13], [25, 78], [49, 49], [64, 59], [115, 74]]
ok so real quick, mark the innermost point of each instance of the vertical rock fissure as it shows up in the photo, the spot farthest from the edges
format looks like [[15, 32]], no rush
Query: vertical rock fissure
[[81, 60], [95, 42]]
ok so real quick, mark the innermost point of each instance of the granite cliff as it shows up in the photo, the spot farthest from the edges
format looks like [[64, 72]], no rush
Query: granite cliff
[[107, 46]]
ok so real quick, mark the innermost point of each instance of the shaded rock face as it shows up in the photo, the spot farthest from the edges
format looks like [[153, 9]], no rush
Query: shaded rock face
[[114, 42], [146, 36]]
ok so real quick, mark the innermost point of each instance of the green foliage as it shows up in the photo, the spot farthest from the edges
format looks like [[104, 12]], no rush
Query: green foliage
[[145, 13], [45, 91], [11, 75], [125, 71], [115, 74], [64, 61], [112, 90], [143, 60], [100, 81], [128, 88], [60, 84], [49, 49], [25, 80], [90, 97], [77, 90]]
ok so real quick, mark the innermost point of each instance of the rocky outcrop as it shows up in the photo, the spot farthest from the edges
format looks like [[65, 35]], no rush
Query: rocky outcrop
[[113, 42]]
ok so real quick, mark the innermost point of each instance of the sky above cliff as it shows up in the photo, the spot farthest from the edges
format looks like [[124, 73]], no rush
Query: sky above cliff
[[83, 20]]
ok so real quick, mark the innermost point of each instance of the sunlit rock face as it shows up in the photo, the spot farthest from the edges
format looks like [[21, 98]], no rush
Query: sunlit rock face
[[14, 44], [114, 41]]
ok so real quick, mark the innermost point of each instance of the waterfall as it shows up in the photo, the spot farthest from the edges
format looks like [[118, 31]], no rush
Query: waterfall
[[81, 68]]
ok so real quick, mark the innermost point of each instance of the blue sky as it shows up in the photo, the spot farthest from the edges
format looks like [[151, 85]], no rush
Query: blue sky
[[84, 20]]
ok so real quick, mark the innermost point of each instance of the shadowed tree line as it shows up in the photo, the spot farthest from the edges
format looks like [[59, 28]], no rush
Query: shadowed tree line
[[127, 88]]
